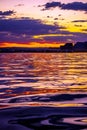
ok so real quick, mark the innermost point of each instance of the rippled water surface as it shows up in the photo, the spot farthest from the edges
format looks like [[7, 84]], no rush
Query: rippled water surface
[[43, 90]]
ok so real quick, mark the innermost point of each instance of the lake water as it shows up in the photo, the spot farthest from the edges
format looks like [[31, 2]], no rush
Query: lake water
[[43, 90]]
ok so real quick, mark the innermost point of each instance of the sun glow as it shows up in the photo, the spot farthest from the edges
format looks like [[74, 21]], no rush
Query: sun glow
[[31, 45]]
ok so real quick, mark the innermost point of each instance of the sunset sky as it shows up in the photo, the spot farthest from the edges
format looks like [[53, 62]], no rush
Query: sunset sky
[[42, 23]]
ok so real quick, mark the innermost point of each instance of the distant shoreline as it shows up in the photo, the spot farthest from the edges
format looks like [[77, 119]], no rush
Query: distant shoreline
[[39, 50], [43, 52]]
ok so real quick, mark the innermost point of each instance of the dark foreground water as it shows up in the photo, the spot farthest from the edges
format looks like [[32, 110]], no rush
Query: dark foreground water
[[43, 91]]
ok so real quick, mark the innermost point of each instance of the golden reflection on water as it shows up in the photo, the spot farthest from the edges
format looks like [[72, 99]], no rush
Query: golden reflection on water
[[30, 104], [43, 73], [9, 93]]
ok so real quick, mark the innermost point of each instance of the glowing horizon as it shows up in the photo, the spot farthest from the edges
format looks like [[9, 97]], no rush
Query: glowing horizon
[[31, 45]]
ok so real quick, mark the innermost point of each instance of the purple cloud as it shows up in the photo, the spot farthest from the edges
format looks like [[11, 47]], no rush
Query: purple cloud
[[69, 6], [7, 13]]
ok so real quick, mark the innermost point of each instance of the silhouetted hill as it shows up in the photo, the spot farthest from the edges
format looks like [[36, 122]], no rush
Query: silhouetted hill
[[67, 47], [80, 46]]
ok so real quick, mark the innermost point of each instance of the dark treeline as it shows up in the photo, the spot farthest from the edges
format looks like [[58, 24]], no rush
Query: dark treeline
[[67, 47]]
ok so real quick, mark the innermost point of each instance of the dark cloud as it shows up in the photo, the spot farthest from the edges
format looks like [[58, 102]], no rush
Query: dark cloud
[[79, 21], [75, 6], [76, 25], [49, 16], [62, 19], [59, 15], [85, 30], [23, 30], [20, 5], [55, 18], [26, 26], [73, 37], [80, 37], [7, 13], [52, 5], [58, 38], [69, 6]]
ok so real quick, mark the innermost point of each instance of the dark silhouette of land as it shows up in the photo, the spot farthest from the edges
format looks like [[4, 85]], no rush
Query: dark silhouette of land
[[67, 47], [78, 47]]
